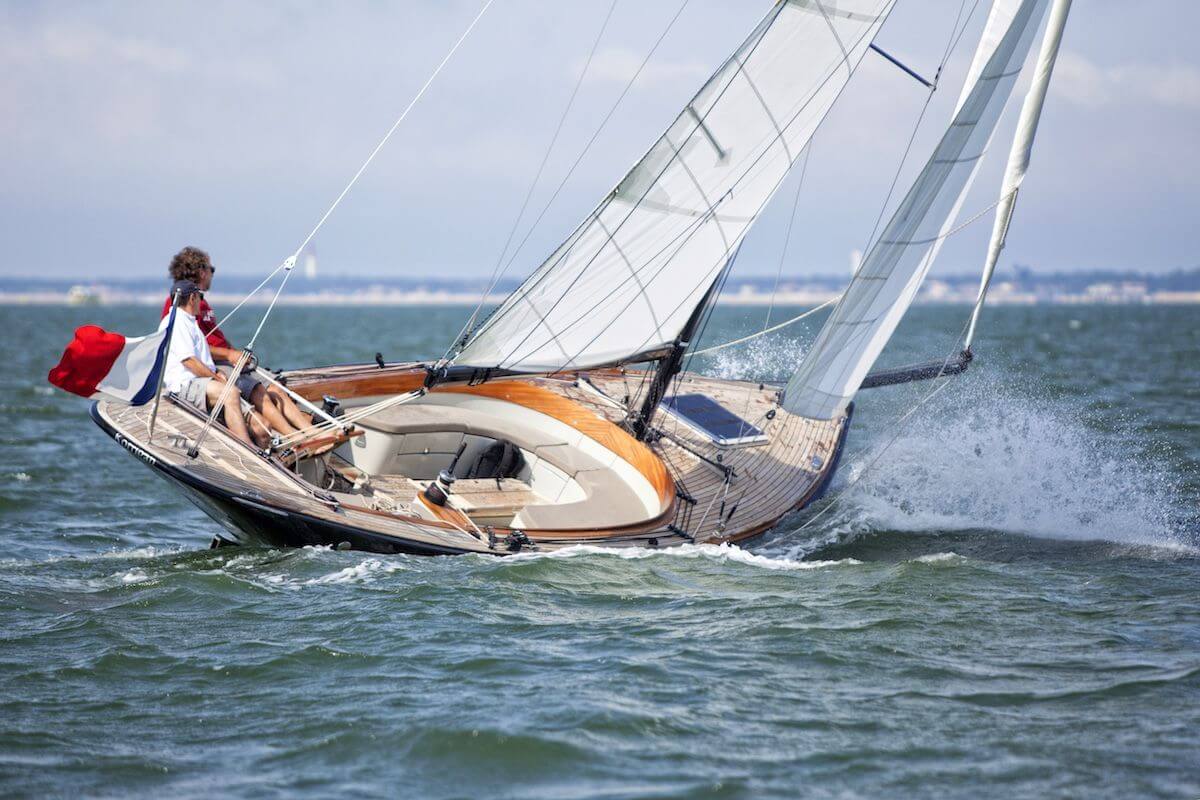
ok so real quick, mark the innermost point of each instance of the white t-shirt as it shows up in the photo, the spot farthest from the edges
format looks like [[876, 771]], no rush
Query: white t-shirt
[[186, 342]]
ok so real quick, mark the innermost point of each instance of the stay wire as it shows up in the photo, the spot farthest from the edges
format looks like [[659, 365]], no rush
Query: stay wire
[[624, 281], [496, 270], [955, 37], [898, 424], [290, 262], [587, 147], [787, 239]]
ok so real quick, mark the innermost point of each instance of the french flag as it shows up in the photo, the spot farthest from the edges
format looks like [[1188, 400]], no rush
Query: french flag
[[102, 364]]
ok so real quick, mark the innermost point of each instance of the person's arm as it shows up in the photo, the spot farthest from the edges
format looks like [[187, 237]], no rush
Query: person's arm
[[198, 369], [226, 355]]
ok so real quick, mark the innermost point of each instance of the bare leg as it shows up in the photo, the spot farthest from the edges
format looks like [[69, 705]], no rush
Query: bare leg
[[266, 406], [259, 430], [232, 411], [290, 410]]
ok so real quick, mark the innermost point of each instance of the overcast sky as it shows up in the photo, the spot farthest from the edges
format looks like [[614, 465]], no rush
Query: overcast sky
[[130, 129]]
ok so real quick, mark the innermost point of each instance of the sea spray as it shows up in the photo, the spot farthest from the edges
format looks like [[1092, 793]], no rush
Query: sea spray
[[987, 458]]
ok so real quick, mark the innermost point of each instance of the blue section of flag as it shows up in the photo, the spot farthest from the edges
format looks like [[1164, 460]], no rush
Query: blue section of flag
[[150, 387]]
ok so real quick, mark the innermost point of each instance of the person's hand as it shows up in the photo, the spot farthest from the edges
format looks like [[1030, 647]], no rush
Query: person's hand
[[219, 376]]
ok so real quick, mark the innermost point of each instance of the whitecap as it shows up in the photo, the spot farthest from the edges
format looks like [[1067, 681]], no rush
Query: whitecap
[[939, 558], [717, 552], [999, 463], [359, 573]]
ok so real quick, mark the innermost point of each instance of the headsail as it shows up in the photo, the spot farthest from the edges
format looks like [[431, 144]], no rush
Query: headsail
[[626, 281], [884, 287], [1022, 148]]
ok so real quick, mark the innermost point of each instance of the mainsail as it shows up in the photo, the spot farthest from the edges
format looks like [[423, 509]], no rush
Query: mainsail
[[624, 284], [886, 283]]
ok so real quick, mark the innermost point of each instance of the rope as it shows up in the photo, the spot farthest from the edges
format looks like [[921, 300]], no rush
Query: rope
[[230, 382], [348, 418], [787, 239], [586, 148], [262, 374], [290, 262], [899, 423], [771, 329], [495, 277]]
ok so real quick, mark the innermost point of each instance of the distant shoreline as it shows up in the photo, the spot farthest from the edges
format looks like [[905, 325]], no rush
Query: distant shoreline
[[424, 298], [1022, 287]]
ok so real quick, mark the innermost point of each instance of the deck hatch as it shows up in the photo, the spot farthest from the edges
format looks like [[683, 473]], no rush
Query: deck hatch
[[718, 423]]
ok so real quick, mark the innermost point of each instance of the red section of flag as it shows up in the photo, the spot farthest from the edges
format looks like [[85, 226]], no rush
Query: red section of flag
[[87, 360]]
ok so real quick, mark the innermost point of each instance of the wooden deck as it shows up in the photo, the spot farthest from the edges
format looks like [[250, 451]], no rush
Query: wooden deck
[[725, 494], [765, 481]]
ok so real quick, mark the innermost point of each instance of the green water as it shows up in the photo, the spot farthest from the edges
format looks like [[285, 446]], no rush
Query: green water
[[1002, 602]]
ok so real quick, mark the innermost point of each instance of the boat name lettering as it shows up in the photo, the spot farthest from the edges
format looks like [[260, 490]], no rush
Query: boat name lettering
[[135, 450]]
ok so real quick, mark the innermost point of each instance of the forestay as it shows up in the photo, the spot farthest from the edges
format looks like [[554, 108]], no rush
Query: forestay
[[885, 285], [625, 282]]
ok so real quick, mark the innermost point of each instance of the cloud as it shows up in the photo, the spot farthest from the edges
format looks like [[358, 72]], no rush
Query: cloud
[[1085, 83]]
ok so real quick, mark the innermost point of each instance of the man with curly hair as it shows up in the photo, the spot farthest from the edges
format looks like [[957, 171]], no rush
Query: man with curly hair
[[279, 411]]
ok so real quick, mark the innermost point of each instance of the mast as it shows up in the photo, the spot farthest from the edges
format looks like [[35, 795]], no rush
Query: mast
[[1018, 157], [669, 365]]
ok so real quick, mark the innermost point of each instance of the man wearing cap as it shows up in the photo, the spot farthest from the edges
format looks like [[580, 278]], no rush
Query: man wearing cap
[[190, 372], [281, 413]]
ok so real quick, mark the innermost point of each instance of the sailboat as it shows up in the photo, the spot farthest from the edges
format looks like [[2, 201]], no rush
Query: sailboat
[[568, 415]]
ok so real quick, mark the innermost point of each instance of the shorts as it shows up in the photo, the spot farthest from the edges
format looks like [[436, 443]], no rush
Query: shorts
[[245, 383], [195, 392]]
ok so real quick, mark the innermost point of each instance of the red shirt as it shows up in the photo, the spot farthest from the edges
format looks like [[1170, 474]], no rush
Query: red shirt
[[207, 321]]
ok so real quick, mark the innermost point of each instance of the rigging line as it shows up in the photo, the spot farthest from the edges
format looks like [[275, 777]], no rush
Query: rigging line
[[587, 147], [536, 179], [862, 331], [757, 35], [899, 423], [246, 299], [787, 239], [396, 124], [219, 405], [746, 172], [952, 43], [677, 378], [290, 262], [772, 329]]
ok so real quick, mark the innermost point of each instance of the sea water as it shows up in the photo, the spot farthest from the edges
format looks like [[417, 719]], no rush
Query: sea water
[[1000, 597]]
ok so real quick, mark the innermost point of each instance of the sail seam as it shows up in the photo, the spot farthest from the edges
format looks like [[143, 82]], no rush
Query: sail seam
[[833, 70], [757, 36]]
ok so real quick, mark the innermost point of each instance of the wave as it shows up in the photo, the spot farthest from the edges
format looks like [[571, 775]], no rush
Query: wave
[[723, 553], [994, 462]]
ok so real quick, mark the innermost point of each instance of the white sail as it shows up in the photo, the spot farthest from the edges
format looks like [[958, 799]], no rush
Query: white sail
[[1022, 149], [884, 287], [626, 281]]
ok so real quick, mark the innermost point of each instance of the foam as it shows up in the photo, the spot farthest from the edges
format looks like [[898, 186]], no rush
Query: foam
[[986, 460], [715, 552], [362, 572], [769, 358]]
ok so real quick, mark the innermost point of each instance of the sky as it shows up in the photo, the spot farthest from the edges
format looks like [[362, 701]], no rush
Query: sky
[[130, 129]]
